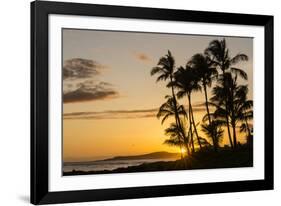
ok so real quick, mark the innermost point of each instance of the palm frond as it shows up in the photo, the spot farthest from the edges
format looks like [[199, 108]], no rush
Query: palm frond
[[239, 72], [238, 58], [155, 70]]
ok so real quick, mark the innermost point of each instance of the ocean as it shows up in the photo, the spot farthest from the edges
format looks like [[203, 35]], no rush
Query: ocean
[[101, 165]]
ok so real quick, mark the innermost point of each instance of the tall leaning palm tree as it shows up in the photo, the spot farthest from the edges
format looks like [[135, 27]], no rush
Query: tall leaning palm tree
[[206, 73], [218, 53], [165, 69], [186, 81]]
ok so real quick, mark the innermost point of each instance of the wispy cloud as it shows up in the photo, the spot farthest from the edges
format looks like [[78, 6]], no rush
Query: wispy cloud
[[120, 114], [141, 56], [113, 114]]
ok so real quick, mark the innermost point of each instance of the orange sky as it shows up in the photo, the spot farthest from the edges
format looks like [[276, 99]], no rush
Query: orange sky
[[110, 99]]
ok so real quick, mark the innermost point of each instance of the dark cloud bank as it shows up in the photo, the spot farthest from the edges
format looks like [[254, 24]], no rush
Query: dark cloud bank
[[76, 75], [78, 68], [89, 91]]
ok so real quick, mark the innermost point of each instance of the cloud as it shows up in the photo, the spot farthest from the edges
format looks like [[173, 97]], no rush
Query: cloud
[[80, 82], [113, 114], [90, 91], [199, 107], [142, 56], [118, 114], [78, 68]]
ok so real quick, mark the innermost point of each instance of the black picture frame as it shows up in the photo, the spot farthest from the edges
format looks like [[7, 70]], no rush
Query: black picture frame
[[40, 112]]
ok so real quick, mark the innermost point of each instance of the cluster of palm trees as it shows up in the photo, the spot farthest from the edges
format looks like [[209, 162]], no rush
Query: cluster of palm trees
[[228, 107]]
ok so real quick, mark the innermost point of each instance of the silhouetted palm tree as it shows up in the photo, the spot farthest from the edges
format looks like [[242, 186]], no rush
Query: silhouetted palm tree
[[186, 81], [219, 101], [169, 109], [237, 107], [204, 142], [166, 68], [202, 67], [244, 111], [190, 132], [214, 132], [218, 53], [175, 139], [219, 115]]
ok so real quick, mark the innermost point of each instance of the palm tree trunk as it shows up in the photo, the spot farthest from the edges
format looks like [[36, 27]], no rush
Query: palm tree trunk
[[206, 103], [177, 119], [186, 145], [249, 138], [193, 122], [248, 129], [232, 117], [187, 148], [190, 129], [192, 142], [228, 130], [227, 110], [208, 113], [234, 134], [178, 123]]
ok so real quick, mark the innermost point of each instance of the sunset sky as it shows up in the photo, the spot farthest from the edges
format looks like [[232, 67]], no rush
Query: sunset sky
[[110, 99]]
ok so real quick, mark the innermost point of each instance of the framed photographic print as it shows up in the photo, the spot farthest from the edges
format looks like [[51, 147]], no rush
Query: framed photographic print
[[133, 102]]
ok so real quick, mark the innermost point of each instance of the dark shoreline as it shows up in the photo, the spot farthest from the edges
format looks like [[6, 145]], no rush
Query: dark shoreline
[[225, 158], [150, 156]]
